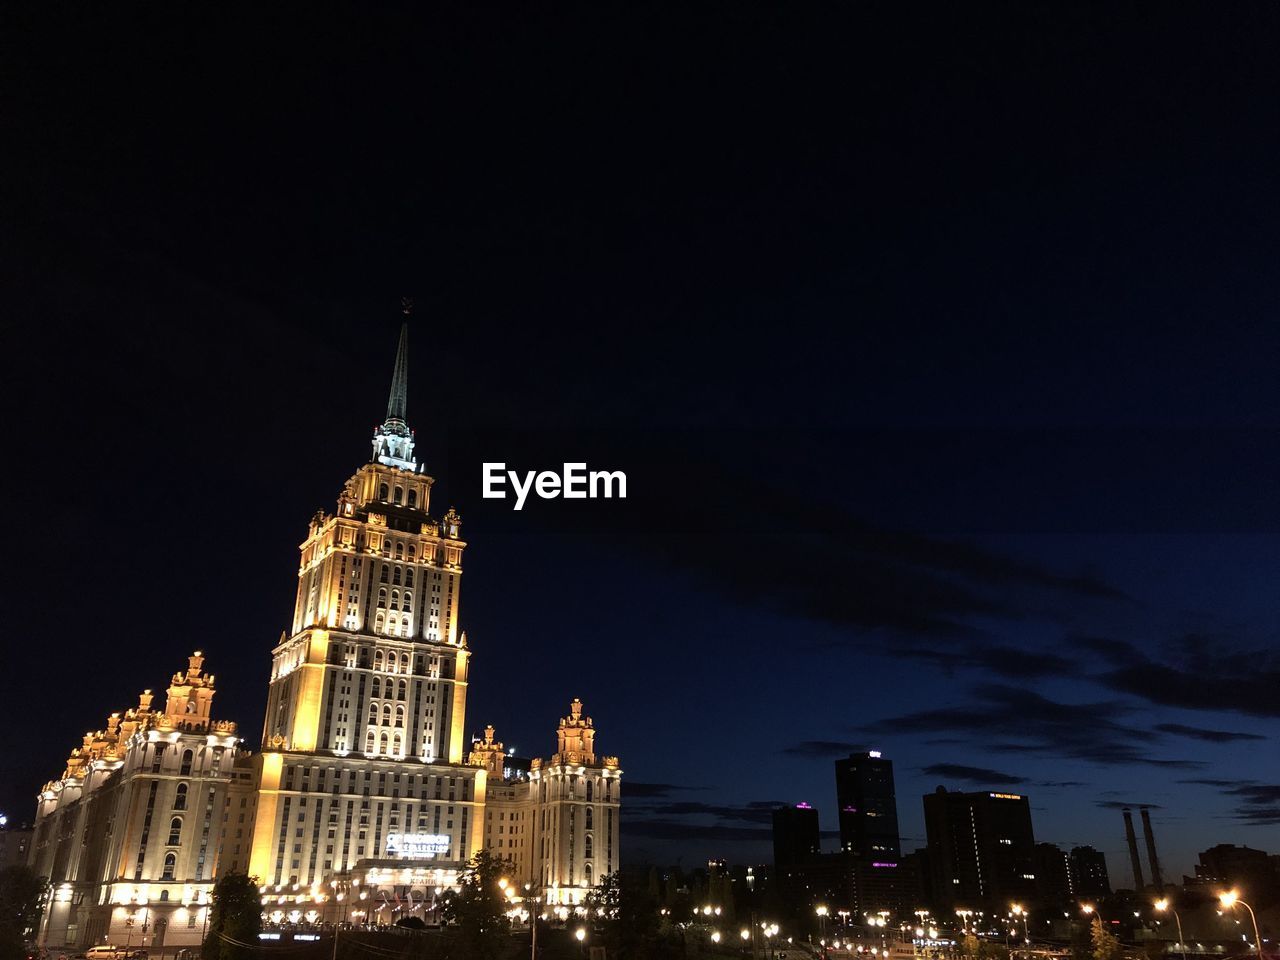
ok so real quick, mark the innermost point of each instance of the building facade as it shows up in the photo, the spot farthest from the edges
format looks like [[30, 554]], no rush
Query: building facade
[[1089, 879], [366, 799], [128, 837], [868, 806], [796, 837], [557, 825], [981, 848]]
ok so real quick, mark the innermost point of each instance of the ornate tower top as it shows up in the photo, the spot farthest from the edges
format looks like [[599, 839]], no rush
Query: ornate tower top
[[488, 753], [190, 695], [393, 441], [575, 740]]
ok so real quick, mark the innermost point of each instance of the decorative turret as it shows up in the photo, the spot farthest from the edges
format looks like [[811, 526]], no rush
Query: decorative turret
[[575, 740], [393, 441], [488, 753], [190, 695]]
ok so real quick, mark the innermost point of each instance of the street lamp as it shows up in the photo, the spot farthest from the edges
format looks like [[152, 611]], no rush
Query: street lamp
[[821, 911], [1229, 900], [1020, 911], [1162, 905]]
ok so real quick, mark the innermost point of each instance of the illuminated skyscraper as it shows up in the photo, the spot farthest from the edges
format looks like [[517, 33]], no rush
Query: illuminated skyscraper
[[364, 738], [367, 798], [867, 805], [981, 847]]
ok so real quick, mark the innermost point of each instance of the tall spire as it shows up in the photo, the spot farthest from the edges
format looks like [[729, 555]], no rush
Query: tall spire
[[393, 441], [399, 398]]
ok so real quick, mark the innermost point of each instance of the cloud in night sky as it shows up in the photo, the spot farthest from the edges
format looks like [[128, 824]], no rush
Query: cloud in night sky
[[756, 811], [1013, 720], [823, 748], [1198, 673], [637, 789], [909, 584], [1125, 805], [1199, 733], [997, 659], [957, 771], [1258, 803], [684, 830]]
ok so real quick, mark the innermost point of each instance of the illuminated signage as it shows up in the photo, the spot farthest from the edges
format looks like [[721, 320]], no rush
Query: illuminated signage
[[417, 846], [1007, 796]]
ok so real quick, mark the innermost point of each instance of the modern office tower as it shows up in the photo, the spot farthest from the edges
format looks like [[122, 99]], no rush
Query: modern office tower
[[1089, 880], [796, 837], [868, 808], [981, 848], [1052, 868]]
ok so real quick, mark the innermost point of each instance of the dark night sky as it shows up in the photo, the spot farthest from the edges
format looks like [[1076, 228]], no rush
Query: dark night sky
[[940, 347]]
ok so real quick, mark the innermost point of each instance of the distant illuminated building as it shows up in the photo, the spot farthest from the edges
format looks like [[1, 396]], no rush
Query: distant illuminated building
[[981, 847], [796, 836], [1089, 879], [1052, 867], [867, 806]]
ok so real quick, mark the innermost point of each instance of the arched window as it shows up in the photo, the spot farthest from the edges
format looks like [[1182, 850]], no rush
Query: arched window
[[383, 578], [404, 666], [377, 624], [382, 743], [386, 714], [187, 757], [402, 691], [170, 866], [587, 822], [400, 716], [408, 601], [374, 690], [590, 792], [175, 831], [399, 551], [373, 713], [413, 501], [180, 799], [164, 895], [399, 494], [586, 845], [395, 599], [377, 654], [413, 551], [368, 743], [395, 577], [586, 871]]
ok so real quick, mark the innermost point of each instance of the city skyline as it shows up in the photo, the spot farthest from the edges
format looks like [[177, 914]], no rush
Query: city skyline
[[946, 393]]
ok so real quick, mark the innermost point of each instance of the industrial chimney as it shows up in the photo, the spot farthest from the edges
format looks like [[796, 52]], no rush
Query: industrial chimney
[[1153, 860], [1138, 882]]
